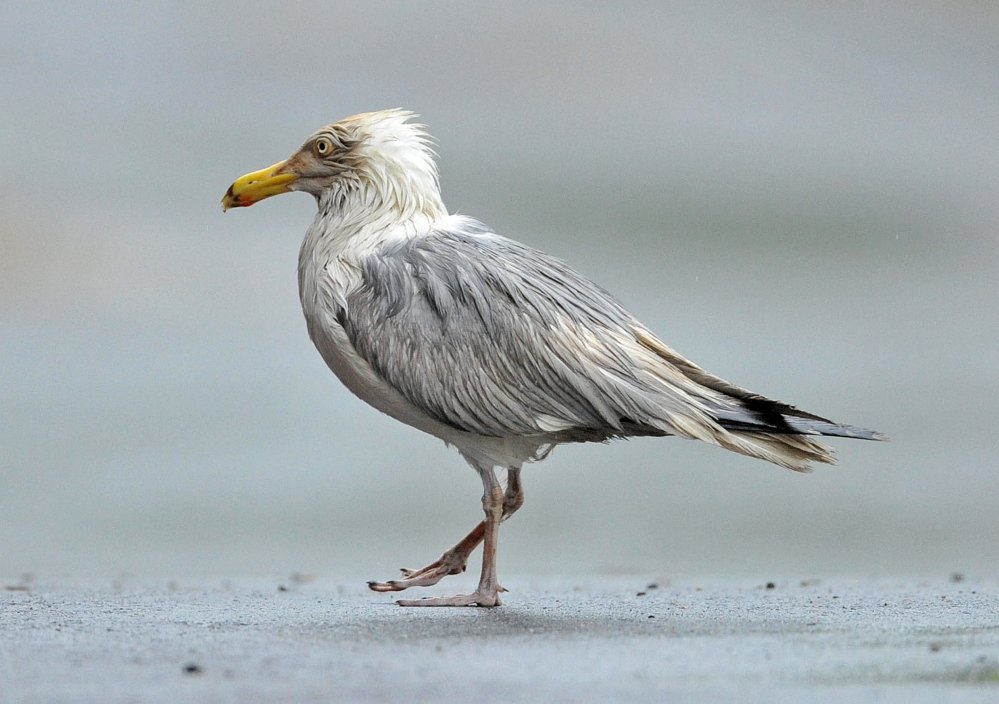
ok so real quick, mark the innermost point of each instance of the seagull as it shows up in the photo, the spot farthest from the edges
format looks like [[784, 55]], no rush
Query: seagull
[[498, 349]]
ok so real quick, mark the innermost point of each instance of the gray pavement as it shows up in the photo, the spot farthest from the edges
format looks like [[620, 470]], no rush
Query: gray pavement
[[601, 639]]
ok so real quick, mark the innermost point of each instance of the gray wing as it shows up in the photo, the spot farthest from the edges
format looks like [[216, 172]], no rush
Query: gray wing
[[492, 337]]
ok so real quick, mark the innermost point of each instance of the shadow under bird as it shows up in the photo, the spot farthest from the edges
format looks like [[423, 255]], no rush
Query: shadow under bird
[[494, 347]]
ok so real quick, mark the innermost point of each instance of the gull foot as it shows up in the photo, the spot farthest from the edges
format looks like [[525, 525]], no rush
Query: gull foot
[[426, 577], [476, 598], [454, 561]]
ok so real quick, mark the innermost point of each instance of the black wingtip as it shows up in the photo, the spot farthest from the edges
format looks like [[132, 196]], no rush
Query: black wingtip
[[831, 429]]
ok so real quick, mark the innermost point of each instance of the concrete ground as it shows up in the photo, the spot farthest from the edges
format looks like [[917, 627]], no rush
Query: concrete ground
[[601, 639]]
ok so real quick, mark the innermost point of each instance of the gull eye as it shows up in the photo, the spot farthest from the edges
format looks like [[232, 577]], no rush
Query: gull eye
[[324, 146]]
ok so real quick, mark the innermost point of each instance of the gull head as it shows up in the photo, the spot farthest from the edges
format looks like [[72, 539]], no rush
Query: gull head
[[378, 160]]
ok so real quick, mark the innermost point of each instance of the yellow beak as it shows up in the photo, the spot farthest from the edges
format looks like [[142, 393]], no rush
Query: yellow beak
[[254, 187]]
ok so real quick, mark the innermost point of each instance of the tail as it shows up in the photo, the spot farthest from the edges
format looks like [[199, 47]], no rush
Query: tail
[[783, 434], [758, 426]]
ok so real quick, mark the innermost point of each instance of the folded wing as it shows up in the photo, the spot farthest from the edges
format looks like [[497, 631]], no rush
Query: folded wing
[[492, 337]]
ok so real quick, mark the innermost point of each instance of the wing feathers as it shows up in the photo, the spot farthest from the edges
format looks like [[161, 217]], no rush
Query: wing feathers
[[495, 338]]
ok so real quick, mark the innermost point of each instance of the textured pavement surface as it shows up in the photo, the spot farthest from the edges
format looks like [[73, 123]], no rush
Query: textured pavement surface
[[600, 639]]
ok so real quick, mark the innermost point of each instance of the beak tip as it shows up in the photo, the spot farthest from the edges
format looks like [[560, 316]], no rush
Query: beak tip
[[253, 188], [231, 200]]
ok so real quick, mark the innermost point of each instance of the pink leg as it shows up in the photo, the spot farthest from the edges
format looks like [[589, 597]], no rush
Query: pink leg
[[455, 560], [488, 591]]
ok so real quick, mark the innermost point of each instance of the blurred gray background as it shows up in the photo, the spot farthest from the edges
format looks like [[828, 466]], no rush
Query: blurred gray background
[[800, 196]]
